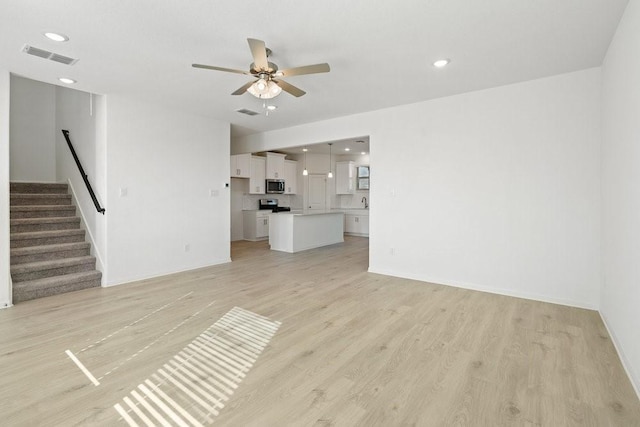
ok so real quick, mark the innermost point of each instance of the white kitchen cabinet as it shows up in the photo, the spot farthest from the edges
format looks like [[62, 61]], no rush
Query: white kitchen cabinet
[[290, 177], [345, 177], [275, 166], [257, 178], [256, 225], [240, 166], [356, 224]]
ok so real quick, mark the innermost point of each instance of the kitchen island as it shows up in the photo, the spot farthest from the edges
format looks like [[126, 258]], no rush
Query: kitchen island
[[294, 232]]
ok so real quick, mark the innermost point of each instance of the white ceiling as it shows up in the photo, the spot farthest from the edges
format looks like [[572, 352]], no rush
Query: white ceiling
[[380, 52]]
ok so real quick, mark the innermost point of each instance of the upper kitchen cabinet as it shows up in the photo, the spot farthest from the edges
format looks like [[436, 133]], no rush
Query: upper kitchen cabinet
[[345, 177], [275, 165], [256, 180], [290, 177], [241, 166]]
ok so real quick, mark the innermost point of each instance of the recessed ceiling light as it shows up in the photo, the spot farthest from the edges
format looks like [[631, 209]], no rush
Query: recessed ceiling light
[[305, 149], [441, 63], [67, 80], [271, 107], [347, 149], [363, 153], [56, 37]]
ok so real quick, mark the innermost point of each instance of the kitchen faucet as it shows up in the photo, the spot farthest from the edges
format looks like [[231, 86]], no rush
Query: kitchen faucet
[[364, 200]]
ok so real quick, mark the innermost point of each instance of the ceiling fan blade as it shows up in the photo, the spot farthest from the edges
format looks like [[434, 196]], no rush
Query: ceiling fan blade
[[228, 70], [259, 52], [242, 89], [289, 88], [307, 69]]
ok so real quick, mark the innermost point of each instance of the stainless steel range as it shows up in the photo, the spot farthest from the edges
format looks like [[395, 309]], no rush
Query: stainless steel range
[[272, 204]]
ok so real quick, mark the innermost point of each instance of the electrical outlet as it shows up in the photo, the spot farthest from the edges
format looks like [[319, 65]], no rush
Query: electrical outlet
[[123, 191], [187, 247]]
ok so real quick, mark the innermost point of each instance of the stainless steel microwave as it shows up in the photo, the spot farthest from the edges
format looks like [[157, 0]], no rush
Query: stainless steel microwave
[[275, 186]]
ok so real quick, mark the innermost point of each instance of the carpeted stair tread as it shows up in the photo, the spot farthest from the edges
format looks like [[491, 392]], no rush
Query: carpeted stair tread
[[32, 250], [50, 268], [51, 264], [36, 238], [19, 225], [48, 252], [38, 188], [31, 289], [22, 199], [51, 220], [40, 211], [45, 234]]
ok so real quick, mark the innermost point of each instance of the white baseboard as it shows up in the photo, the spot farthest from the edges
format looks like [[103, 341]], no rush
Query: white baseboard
[[132, 279], [481, 288], [635, 381]]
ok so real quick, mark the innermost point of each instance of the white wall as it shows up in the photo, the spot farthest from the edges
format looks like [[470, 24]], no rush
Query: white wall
[[167, 161], [5, 274], [78, 112], [495, 190], [620, 300], [33, 149]]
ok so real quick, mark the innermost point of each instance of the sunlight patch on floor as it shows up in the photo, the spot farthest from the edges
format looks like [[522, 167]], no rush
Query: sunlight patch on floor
[[192, 388]]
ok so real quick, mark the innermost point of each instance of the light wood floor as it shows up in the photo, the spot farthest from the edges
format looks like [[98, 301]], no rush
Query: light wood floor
[[353, 348]]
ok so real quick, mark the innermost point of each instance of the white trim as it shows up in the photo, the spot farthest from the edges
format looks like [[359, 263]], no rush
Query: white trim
[[481, 288], [6, 289], [626, 364], [132, 279], [94, 247]]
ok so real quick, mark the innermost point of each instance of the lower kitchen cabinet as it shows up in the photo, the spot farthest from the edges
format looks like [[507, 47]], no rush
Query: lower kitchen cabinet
[[357, 225], [256, 225]]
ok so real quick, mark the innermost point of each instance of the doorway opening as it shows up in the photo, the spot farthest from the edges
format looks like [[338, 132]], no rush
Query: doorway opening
[[348, 189]]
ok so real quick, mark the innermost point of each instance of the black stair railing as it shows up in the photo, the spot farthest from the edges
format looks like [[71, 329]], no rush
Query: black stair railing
[[84, 175]]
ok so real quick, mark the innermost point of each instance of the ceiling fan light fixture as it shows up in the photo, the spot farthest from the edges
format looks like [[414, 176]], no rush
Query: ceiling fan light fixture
[[264, 89]]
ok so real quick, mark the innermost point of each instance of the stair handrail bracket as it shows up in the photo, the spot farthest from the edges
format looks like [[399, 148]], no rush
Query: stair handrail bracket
[[82, 173]]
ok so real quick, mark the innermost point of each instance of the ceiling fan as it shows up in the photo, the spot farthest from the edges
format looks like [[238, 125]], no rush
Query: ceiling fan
[[268, 83]]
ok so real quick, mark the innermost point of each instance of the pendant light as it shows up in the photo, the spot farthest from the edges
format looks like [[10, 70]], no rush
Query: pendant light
[[330, 174], [305, 172]]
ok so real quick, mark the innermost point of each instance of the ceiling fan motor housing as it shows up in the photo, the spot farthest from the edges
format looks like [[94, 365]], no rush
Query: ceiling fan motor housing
[[257, 72]]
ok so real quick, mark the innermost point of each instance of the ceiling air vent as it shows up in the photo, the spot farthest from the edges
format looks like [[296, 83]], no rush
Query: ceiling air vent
[[247, 112], [41, 53]]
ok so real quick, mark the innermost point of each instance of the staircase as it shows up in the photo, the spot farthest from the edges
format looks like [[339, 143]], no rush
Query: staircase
[[49, 254]]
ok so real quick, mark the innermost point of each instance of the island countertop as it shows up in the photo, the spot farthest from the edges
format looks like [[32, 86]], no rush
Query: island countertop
[[309, 212]]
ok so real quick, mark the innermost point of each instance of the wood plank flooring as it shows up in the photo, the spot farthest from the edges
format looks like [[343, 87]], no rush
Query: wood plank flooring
[[352, 349]]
